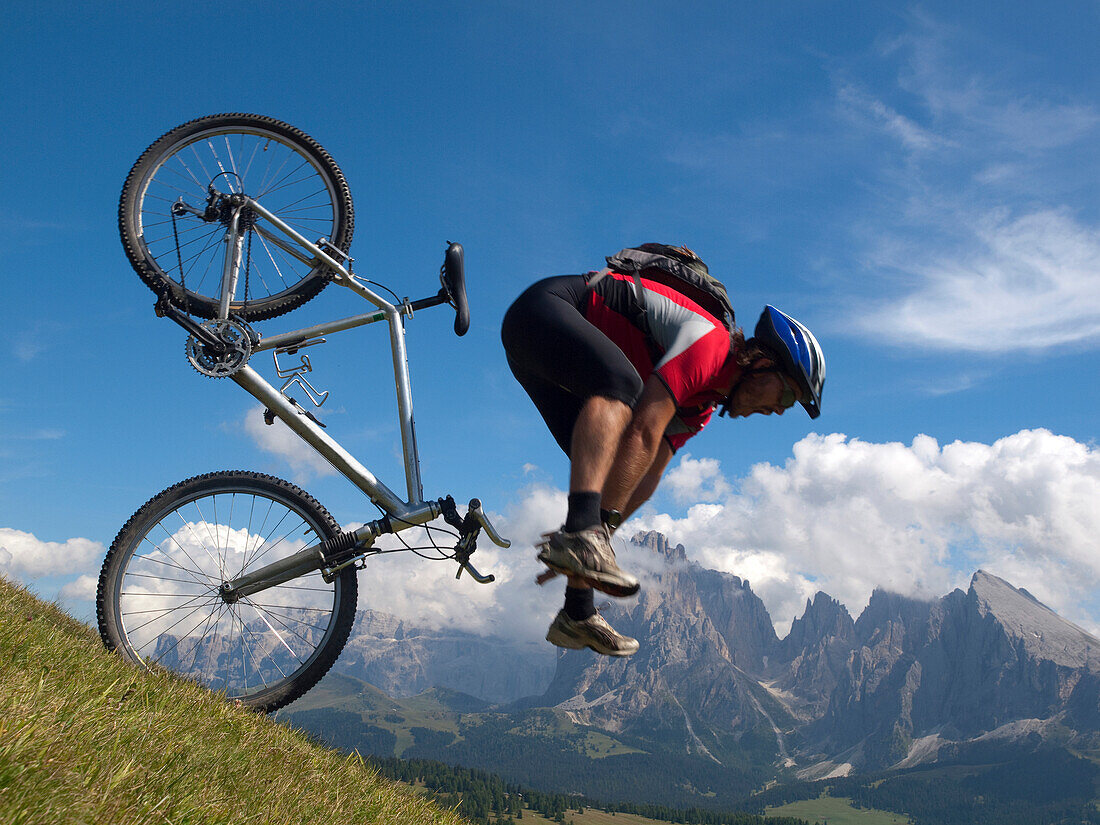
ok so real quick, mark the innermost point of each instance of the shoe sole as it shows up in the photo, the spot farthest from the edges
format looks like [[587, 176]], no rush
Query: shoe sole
[[617, 587], [559, 639]]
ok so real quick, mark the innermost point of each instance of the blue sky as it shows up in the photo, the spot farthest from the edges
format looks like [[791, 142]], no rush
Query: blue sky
[[916, 182]]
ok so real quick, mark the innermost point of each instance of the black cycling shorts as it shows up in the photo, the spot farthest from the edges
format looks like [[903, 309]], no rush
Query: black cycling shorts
[[559, 358]]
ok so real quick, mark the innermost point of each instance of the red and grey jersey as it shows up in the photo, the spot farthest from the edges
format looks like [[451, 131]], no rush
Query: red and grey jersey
[[678, 341]]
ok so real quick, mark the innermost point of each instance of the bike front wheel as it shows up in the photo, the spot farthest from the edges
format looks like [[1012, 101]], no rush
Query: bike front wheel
[[158, 602], [173, 229]]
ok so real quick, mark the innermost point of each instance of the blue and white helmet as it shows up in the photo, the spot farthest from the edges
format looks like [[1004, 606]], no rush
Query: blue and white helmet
[[798, 352]]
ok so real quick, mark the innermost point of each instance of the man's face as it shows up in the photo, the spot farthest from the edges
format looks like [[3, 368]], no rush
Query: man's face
[[763, 392]]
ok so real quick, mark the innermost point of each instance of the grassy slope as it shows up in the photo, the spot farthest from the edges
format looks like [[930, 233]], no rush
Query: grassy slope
[[86, 738]]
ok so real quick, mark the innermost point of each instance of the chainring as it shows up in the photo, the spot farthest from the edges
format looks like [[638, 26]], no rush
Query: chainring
[[237, 338]]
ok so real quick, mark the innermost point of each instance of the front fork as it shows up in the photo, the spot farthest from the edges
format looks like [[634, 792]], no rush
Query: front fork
[[333, 555]]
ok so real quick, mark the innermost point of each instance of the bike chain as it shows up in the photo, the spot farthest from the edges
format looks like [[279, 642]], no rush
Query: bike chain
[[247, 269], [179, 259]]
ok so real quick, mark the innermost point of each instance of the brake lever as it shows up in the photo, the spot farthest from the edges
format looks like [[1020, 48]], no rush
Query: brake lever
[[483, 520], [478, 577], [469, 527]]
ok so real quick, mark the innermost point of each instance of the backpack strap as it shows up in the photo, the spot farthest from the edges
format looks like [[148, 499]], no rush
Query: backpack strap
[[642, 317], [596, 277], [639, 290]]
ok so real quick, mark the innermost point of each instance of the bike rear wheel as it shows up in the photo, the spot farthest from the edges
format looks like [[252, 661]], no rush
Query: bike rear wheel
[[158, 602], [183, 254]]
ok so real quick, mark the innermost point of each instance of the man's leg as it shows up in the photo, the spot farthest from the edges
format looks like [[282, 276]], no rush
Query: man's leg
[[596, 433], [595, 442], [584, 387]]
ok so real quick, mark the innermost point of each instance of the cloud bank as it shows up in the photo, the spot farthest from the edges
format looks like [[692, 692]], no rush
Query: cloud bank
[[23, 556], [841, 515], [845, 516], [71, 567]]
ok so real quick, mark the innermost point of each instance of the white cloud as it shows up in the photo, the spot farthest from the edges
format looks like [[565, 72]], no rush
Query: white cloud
[[23, 556], [1027, 283], [975, 228], [426, 593], [83, 588], [696, 479], [861, 104], [42, 434], [845, 516], [280, 440], [1010, 114]]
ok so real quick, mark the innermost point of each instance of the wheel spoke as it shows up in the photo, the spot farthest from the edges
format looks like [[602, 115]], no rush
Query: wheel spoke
[[174, 625], [280, 619], [274, 263], [202, 636], [270, 627], [171, 563], [213, 558], [281, 540], [190, 174], [260, 532]]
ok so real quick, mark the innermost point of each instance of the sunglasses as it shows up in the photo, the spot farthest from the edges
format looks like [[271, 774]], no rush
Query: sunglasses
[[787, 399], [788, 396]]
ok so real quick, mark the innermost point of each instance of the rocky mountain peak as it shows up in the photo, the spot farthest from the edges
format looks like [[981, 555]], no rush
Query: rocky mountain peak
[[1044, 633], [824, 617], [659, 544], [891, 615]]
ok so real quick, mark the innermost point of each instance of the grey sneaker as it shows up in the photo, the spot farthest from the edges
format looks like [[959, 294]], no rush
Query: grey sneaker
[[594, 632], [588, 554]]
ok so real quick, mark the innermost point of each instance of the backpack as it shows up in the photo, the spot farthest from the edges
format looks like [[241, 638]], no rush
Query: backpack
[[679, 268]]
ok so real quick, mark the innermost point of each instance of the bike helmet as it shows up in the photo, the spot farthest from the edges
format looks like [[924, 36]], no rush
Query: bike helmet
[[797, 351]]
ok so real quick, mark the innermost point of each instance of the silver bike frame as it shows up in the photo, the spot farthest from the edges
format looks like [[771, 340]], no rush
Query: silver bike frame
[[413, 510]]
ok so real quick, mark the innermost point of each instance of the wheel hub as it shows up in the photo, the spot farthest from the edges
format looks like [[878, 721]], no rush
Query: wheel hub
[[227, 206]]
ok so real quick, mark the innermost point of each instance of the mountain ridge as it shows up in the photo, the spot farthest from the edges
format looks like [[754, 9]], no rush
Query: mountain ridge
[[908, 682]]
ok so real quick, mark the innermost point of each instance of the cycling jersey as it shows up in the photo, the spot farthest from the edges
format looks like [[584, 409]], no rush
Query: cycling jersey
[[677, 340]]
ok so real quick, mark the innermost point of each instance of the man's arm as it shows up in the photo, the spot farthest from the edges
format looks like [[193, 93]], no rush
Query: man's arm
[[638, 461], [648, 485]]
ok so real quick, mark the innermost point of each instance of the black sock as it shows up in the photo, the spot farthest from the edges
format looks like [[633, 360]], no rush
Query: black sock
[[584, 511], [580, 603]]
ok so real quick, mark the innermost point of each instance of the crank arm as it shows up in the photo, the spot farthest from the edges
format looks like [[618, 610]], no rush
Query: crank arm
[[165, 309]]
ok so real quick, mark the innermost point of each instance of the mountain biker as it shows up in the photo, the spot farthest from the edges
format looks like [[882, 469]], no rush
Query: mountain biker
[[624, 370]]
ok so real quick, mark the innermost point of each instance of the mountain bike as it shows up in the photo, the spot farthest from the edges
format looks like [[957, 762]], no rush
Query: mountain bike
[[240, 580]]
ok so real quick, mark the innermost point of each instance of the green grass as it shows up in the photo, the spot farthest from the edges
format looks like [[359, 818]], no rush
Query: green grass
[[598, 745], [837, 811], [86, 738], [374, 707]]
